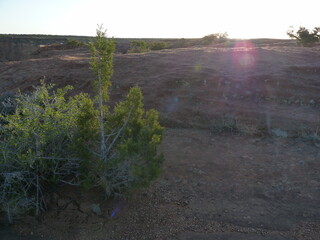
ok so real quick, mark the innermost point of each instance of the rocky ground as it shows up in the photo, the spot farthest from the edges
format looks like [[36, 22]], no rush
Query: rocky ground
[[242, 144]]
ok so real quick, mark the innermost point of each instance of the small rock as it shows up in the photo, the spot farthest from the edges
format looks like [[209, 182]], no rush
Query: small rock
[[279, 133], [95, 208], [164, 183], [312, 102], [177, 180]]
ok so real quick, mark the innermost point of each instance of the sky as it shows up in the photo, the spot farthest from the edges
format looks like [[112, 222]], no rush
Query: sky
[[242, 19]]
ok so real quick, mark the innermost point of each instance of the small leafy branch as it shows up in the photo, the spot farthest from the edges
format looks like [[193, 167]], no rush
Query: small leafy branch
[[102, 66], [305, 37]]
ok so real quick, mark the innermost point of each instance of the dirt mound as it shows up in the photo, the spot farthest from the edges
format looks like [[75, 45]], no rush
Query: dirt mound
[[267, 87]]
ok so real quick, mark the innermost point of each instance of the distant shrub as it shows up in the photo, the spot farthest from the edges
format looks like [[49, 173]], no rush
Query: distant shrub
[[158, 45], [305, 37], [180, 43], [138, 46], [215, 37], [75, 43]]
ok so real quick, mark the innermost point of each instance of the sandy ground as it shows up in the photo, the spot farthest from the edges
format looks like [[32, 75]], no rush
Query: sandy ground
[[241, 146]]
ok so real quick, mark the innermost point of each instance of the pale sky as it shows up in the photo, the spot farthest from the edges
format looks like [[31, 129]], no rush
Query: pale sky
[[159, 19]]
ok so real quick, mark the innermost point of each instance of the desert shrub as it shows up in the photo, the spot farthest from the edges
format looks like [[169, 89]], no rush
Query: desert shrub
[[128, 136], [138, 46], [158, 45], [305, 37], [214, 38], [37, 148], [73, 43], [51, 140], [180, 43], [134, 156]]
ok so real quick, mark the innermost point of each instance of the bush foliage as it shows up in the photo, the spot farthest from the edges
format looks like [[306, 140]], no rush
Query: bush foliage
[[305, 37], [37, 148], [158, 45], [49, 140], [139, 46], [214, 38], [73, 43]]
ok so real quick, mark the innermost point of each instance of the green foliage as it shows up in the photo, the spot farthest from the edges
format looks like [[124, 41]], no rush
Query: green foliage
[[49, 139], [214, 38], [158, 45], [37, 147], [136, 150], [305, 37], [181, 43], [126, 139], [101, 63], [73, 43], [137, 46]]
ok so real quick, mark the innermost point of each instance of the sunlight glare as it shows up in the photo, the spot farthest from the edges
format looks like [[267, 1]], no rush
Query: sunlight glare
[[244, 55]]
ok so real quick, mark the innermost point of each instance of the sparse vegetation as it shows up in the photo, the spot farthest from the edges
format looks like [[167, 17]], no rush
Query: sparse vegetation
[[75, 43], [245, 133], [158, 45], [49, 140], [305, 37], [214, 38], [138, 46]]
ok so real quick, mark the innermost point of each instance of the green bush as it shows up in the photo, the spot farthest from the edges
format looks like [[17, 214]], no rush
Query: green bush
[[73, 43], [138, 46], [135, 159], [305, 37], [180, 43], [214, 38], [37, 148], [50, 140], [158, 45]]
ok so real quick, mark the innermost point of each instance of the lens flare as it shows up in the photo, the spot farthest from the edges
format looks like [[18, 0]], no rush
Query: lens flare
[[244, 55], [115, 211]]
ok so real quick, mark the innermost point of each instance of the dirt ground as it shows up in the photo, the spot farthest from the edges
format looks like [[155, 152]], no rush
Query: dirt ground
[[241, 147]]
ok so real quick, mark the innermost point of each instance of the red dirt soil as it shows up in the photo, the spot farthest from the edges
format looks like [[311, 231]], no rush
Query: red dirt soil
[[242, 144]]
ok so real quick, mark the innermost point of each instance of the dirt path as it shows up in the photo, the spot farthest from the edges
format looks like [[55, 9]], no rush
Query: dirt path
[[213, 187]]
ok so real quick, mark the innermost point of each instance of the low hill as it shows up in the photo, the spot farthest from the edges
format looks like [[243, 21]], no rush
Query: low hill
[[241, 145]]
